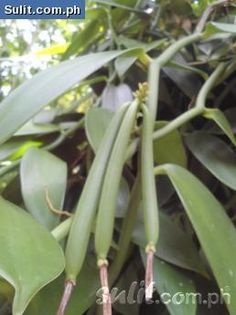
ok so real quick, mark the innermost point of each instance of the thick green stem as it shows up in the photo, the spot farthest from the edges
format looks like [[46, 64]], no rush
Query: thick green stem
[[208, 85], [177, 122], [64, 135], [157, 64], [62, 230], [153, 83]]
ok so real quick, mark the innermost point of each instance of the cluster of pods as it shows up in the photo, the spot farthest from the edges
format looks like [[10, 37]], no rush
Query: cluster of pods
[[99, 197]]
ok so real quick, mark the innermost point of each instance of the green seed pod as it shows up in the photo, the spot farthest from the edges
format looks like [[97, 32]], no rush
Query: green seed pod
[[107, 203], [150, 206], [85, 212]]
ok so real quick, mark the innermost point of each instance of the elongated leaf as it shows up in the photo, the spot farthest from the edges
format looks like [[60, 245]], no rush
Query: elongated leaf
[[216, 115], [170, 148], [30, 97], [174, 246], [29, 258], [187, 80], [10, 147], [215, 155], [224, 27], [83, 39], [123, 63], [34, 129], [40, 172], [214, 229]]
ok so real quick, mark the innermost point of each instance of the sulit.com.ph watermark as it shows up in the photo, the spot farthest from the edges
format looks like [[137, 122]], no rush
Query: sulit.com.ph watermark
[[136, 294]]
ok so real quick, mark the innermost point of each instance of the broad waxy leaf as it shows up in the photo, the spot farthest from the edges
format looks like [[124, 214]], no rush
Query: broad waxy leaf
[[84, 294], [187, 80], [29, 258], [115, 96], [96, 123], [171, 280], [30, 97], [215, 155], [41, 171], [174, 246], [214, 229], [216, 115], [170, 148]]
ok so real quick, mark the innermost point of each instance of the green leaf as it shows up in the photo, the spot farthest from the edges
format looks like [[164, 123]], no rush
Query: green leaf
[[224, 27], [215, 155], [30, 97], [115, 96], [96, 123], [186, 80], [218, 116], [170, 148], [41, 171], [83, 296], [34, 129], [123, 63], [29, 258], [84, 38], [10, 147], [177, 285], [214, 229], [174, 245]]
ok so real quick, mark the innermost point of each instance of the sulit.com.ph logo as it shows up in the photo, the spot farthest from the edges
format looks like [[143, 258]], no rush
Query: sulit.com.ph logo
[[136, 295]]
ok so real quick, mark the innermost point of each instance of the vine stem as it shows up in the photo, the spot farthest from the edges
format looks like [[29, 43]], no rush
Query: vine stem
[[149, 275], [156, 65], [69, 285], [62, 230], [106, 297], [209, 10]]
